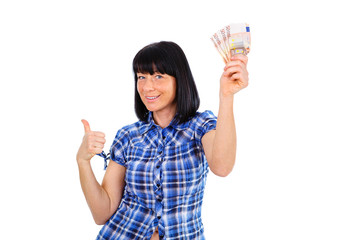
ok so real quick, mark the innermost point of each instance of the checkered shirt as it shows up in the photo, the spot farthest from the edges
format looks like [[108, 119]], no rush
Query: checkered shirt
[[166, 172]]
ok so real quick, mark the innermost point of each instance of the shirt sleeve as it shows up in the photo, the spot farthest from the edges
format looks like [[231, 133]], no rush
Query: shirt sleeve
[[119, 147], [208, 122]]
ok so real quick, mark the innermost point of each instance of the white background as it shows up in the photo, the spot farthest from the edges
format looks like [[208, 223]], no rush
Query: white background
[[297, 170]]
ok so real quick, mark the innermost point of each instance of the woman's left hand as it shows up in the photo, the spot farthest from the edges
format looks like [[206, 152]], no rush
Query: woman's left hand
[[235, 76]]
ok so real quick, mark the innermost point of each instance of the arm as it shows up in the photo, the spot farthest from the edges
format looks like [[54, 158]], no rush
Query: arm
[[220, 144], [104, 199]]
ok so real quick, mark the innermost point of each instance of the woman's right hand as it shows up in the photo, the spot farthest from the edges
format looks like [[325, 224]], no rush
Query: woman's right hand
[[92, 144]]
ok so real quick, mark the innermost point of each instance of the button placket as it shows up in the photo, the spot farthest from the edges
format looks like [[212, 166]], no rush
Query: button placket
[[157, 178]]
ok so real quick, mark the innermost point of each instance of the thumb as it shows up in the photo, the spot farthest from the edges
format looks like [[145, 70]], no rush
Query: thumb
[[86, 125]]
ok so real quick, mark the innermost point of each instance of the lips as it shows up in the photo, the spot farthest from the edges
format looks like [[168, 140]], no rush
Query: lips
[[152, 98]]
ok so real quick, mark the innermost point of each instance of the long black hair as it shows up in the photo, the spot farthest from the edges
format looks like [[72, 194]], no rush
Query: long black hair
[[167, 58]]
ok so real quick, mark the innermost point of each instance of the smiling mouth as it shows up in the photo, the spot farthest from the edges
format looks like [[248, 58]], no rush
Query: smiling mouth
[[152, 98]]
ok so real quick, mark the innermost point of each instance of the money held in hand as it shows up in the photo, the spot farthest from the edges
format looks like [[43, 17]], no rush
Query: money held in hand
[[231, 40]]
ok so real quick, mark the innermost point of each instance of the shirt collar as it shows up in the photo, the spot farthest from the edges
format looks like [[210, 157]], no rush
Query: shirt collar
[[178, 126], [146, 126]]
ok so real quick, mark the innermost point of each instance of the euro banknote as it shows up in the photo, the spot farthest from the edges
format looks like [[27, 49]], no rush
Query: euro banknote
[[232, 39]]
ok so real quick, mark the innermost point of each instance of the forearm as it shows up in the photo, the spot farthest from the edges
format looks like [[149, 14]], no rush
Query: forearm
[[224, 148], [96, 197], [220, 146]]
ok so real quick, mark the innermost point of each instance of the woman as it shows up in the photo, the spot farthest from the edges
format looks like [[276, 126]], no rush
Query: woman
[[154, 184]]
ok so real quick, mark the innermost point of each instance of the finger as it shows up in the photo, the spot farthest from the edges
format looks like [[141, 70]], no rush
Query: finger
[[238, 61], [231, 64], [92, 139], [243, 78], [100, 140], [243, 58], [98, 149], [235, 63], [95, 147], [235, 77], [232, 70], [239, 77], [86, 126], [99, 134], [98, 145]]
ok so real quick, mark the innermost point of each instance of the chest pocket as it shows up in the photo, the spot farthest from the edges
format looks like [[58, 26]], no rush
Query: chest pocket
[[183, 169], [139, 173]]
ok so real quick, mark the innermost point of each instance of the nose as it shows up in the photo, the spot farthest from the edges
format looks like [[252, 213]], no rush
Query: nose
[[148, 85]]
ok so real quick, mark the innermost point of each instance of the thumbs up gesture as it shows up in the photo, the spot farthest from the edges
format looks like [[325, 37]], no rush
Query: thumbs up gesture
[[92, 144]]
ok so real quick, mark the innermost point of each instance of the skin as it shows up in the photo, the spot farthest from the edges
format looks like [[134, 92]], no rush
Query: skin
[[219, 145], [163, 87], [104, 199]]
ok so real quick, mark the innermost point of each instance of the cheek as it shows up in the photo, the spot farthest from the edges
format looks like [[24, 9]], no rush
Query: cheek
[[138, 87]]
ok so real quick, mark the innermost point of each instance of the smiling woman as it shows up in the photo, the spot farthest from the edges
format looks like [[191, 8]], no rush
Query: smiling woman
[[154, 185]]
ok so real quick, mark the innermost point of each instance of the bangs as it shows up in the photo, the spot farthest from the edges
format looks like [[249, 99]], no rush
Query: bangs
[[153, 59]]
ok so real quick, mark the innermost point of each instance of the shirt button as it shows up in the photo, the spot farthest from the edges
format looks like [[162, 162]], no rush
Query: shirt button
[[158, 166], [158, 184], [159, 217], [159, 199]]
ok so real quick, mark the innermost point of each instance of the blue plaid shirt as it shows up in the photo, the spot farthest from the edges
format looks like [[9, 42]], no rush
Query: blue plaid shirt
[[165, 178]]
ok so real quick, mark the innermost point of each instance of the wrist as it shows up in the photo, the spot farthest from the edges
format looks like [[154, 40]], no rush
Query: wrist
[[82, 162], [228, 98]]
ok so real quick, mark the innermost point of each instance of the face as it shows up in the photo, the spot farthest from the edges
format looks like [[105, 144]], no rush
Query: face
[[157, 92]]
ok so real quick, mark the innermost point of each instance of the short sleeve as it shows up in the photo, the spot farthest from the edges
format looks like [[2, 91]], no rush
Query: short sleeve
[[207, 122], [119, 146]]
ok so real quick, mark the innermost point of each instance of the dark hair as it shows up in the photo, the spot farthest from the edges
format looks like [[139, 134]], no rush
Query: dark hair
[[167, 58]]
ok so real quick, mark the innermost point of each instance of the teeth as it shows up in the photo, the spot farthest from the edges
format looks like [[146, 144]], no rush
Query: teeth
[[151, 98]]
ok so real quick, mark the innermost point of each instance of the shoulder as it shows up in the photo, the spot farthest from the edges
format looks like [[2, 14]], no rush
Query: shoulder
[[132, 127], [206, 115], [201, 118], [204, 122], [199, 124], [129, 131]]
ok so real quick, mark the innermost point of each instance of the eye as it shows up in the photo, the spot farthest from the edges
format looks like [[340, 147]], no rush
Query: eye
[[140, 77], [158, 76]]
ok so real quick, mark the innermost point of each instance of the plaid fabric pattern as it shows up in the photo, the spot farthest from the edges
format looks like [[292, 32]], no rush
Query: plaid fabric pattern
[[166, 171]]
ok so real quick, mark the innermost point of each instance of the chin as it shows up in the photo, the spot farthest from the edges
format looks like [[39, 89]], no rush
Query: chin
[[151, 109]]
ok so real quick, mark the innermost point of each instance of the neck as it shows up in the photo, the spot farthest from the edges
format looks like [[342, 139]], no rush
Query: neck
[[164, 118]]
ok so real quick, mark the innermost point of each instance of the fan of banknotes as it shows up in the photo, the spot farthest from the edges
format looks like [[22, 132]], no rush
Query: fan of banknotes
[[232, 39]]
